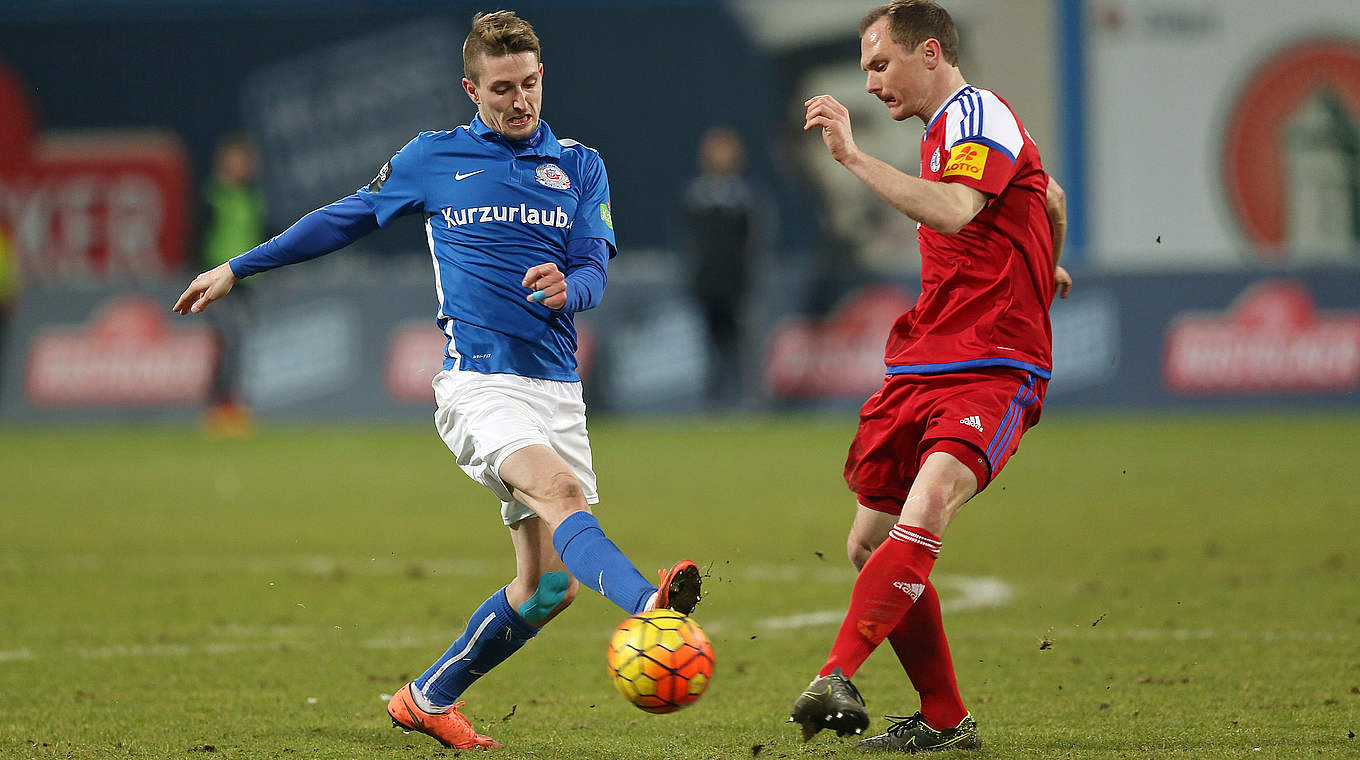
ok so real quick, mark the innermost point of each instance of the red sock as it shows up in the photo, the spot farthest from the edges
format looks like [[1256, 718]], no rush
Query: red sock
[[924, 653], [894, 577]]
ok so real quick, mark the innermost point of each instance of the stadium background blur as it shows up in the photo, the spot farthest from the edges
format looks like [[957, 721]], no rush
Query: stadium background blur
[[1211, 152], [1168, 569]]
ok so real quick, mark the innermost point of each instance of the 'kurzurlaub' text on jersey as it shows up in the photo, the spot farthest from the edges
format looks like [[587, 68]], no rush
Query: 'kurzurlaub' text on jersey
[[493, 209]]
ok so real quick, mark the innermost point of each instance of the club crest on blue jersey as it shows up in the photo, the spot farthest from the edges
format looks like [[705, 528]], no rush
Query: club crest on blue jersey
[[551, 175]]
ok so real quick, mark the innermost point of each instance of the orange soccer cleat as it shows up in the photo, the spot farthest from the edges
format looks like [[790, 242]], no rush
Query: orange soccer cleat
[[450, 728], [679, 588]]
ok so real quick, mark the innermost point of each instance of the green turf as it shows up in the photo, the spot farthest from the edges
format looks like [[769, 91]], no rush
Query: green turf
[[1182, 587]]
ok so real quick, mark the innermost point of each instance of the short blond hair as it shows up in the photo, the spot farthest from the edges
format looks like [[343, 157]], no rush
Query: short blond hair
[[496, 34], [911, 22]]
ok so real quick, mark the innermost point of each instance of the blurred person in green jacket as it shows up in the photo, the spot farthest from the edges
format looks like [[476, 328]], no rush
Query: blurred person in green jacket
[[234, 221]]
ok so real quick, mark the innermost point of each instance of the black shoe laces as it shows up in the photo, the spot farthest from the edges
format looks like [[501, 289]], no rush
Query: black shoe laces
[[901, 724], [851, 688]]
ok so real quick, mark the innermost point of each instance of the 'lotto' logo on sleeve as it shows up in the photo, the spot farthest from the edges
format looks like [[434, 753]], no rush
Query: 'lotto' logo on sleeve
[[967, 160]]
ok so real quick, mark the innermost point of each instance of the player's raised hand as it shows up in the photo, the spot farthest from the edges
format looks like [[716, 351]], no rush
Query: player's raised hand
[[549, 285], [826, 112], [206, 288]]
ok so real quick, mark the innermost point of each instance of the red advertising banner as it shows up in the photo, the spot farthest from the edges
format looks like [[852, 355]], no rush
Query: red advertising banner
[[841, 356], [126, 355], [1271, 340], [90, 205], [415, 354]]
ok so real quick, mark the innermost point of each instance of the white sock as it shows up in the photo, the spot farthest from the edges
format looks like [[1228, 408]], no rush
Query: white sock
[[651, 601], [424, 703]]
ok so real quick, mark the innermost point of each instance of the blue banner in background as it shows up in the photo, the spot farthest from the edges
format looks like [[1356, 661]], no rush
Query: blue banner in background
[[1185, 341], [335, 113], [332, 90]]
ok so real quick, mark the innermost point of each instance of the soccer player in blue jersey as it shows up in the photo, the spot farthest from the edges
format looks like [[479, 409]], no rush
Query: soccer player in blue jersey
[[519, 227]]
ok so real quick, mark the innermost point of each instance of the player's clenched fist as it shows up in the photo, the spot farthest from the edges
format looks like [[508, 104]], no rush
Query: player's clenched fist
[[206, 288], [826, 112], [549, 285]]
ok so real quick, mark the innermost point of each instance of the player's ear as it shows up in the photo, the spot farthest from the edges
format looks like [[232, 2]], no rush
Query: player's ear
[[471, 90], [932, 53]]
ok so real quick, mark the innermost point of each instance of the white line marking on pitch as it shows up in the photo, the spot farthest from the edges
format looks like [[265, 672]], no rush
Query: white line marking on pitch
[[968, 593], [792, 622], [961, 594]]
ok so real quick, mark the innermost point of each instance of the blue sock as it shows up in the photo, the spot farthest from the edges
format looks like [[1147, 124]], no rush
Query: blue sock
[[494, 632], [598, 563]]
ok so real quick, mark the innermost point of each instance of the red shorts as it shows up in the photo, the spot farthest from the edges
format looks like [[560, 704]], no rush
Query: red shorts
[[977, 416]]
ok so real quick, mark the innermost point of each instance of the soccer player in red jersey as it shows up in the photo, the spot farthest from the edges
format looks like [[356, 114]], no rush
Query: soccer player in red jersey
[[967, 366]]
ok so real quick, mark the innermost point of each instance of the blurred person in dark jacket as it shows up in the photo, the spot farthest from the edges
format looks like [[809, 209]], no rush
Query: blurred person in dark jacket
[[720, 220]]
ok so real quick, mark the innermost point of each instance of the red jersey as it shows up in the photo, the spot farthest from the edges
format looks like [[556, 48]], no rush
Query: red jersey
[[985, 290]]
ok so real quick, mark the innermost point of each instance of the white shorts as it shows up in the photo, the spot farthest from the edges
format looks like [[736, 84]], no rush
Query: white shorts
[[486, 418]]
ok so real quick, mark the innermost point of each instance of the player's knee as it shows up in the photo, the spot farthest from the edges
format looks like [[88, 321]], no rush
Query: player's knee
[[923, 511], [858, 550], [564, 491], [555, 592], [935, 505]]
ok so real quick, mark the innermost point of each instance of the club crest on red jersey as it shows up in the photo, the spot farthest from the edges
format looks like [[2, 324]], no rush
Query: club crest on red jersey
[[551, 175], [935, 160]]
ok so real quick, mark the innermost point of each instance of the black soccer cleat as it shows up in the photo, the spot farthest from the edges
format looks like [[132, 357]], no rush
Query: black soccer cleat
[[830, 701], [679, 589], [913, 735]]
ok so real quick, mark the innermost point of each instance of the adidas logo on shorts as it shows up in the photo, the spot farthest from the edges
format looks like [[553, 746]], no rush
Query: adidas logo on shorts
[[974, 422]]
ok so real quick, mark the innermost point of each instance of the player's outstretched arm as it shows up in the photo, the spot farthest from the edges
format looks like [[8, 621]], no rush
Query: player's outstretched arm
[[942, 206], [206, 288], [323, 231], [1056, 201]]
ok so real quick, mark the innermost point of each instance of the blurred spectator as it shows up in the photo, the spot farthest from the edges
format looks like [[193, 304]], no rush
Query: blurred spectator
[[720, 221], [9, 284], [233, 222]]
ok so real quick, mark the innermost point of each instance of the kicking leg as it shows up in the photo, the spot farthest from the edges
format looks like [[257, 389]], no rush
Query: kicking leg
[[540, 479]]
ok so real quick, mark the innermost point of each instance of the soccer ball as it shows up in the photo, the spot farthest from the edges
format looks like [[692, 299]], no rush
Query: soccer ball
[[660, 660]]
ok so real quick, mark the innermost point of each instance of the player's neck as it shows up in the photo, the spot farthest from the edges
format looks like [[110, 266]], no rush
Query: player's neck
[[948, 83]]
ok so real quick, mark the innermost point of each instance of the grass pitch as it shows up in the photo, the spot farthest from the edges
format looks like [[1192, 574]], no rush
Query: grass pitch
[[1159, 588]]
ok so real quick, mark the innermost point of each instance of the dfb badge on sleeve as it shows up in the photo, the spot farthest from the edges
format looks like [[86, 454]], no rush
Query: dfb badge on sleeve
[[381, 179]]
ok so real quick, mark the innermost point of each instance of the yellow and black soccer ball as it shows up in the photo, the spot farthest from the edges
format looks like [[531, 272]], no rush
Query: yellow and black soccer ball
[[660, 660]]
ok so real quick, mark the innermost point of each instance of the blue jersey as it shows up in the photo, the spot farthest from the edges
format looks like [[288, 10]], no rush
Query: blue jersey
[[494, 208]]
